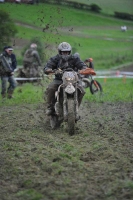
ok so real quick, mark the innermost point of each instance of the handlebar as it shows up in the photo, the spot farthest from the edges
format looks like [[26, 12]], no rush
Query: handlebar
[[87, 71], [58, 70]]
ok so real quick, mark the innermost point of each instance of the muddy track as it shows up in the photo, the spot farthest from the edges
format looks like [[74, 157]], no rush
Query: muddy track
[[39, 163]]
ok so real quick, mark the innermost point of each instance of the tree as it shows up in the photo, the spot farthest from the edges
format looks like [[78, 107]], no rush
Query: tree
[[7, 29], [95, 8]]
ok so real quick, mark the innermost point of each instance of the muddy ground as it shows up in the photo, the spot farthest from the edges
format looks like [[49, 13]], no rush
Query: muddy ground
[[38, 163]]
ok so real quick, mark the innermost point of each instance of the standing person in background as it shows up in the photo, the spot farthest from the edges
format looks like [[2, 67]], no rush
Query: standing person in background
[[31, 62], [8, 64]]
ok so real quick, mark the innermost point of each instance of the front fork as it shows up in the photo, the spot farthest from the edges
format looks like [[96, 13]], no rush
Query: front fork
[[65, 110], [95, 83], [64, 105], [76, 103], [97, 86]]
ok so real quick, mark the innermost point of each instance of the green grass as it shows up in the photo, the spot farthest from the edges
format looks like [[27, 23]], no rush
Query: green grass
[[109, 7], [104, 52], [60, 16], [92, 35], [31, 194], [114, 90], [27, 93]]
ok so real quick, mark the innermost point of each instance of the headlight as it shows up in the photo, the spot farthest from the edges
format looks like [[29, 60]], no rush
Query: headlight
[[69, 79]]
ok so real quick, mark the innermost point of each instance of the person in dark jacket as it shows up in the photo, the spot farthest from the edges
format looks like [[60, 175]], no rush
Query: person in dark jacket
[[61, 60], [8, 64], [14, 61]]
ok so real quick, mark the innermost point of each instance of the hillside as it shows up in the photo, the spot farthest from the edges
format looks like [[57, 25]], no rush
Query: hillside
[[92, 35], [38, 163], [109, 7]]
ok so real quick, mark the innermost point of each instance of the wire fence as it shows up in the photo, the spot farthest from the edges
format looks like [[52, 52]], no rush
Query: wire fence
[[99, 74]]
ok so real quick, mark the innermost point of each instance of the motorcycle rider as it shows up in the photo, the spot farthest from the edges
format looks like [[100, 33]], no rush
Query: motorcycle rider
[[31, 61], [62, 60], [88, 61]]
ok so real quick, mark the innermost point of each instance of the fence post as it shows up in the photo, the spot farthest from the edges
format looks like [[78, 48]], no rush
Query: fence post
[[105, 79], [124, 79]]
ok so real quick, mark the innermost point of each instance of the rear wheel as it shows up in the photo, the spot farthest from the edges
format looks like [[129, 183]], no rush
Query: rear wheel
[[95, 87], [71, 116]]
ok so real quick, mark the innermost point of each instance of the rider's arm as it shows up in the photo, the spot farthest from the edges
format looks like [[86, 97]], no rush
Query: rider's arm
[[51, 64], [47, 70], [89, 63], [80, 64]]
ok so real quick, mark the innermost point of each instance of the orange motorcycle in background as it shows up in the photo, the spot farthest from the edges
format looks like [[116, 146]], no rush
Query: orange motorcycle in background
[[88, 80]]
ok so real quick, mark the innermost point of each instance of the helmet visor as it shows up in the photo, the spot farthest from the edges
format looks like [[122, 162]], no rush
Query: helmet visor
[[65, 52]]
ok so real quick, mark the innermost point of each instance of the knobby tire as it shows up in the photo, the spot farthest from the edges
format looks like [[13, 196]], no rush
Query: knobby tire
[[94, 88], [71, 116]]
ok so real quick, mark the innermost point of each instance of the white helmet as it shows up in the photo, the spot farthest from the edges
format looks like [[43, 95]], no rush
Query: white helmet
[[64, 46], [33, 46]]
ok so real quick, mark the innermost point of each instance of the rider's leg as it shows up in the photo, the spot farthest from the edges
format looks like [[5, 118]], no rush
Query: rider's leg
[[50, 93]]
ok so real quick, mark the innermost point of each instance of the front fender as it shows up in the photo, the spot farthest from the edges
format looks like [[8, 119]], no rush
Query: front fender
[[70, 89]]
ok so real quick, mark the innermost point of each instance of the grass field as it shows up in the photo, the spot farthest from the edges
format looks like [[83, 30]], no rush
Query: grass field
[[109, 7], [91, 35], [96, 163], [114, 90], [61, 16]]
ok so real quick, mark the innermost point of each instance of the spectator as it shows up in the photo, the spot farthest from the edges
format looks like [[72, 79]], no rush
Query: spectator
[[31, 62], [8, 64]]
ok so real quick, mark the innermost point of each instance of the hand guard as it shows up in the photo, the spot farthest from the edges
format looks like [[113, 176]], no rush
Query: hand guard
[[48, 71], [58, 72]]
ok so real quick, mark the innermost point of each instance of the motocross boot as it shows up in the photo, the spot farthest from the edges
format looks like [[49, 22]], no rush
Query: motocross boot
[[50, 101], [9, 94], [3, 96], [50, 110]]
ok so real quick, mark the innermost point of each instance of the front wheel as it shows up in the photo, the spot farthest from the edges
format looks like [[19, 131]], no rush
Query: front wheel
[[71, 116], [95, 87], [85, 83]]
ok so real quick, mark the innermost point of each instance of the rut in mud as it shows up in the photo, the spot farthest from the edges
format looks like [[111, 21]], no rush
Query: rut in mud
[[38, 163]]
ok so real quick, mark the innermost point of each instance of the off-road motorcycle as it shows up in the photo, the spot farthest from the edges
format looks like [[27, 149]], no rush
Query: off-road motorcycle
[[67, 106], [89, 81]]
